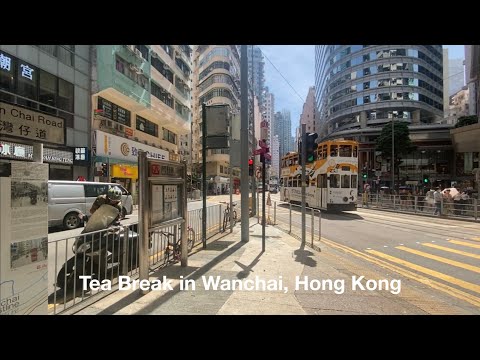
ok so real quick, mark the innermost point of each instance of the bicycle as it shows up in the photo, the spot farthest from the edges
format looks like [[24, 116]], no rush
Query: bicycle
[[173, 249], [226, 215]]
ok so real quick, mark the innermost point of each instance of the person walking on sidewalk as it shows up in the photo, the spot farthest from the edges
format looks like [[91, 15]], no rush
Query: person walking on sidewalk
[[437, 198]]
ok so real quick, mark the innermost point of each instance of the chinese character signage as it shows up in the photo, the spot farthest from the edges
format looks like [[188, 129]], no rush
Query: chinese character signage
[[81, 154], [32, 125]]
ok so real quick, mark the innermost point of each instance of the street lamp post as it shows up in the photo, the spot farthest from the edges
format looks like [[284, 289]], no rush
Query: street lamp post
[[393, 157]]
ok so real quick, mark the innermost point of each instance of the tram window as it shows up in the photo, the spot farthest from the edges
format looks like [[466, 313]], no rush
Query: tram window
[[346, 150], [345, 181], [290, 182], [333, 150], [319, 179], [355, 151], [334, 181], [354, 181], [322, 179], [324, 152]]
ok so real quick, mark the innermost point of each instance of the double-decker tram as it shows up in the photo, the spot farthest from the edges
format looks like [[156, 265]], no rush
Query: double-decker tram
[[332, 177]]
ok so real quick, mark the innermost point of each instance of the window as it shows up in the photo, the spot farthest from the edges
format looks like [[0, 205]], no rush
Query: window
[[169, 136], [146, 126], [354, 181], [48, 88], [333, 150], [144, 50], [95, 190], [346, 150], [65, 95], [7, 72], [334, 181], [27, 77], [221, 169], [66, 54], [345, 181]]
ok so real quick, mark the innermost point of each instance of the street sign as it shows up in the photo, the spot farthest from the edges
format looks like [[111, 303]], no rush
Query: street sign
[[264, 124], [262, 144], [267, 156]]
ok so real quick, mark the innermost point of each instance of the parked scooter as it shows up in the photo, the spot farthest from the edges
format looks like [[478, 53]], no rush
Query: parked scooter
[[97, 253]]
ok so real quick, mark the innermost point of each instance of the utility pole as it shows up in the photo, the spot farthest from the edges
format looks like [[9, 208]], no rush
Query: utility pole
[[262, 159], [245, 217], [304, 156]]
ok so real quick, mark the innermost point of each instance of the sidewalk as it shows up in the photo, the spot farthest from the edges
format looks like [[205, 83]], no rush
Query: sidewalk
[[230, 259]]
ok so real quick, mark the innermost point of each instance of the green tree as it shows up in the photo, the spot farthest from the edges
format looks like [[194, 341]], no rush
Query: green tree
[[466, 120], [402, 143]]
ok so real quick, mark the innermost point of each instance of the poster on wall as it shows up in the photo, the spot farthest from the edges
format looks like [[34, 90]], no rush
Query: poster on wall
[[24, 239], [157, 204], [171, 202]]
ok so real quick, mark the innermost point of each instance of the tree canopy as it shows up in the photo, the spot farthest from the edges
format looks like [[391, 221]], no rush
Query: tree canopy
[[466, 120], [402, 142]]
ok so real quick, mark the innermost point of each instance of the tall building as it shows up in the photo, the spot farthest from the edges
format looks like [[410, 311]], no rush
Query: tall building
[[256, 71], [275, 150], [51, 84], [283, 128], [141, 101], [269, 112], [308, 116], [361, 88], [216, 81]]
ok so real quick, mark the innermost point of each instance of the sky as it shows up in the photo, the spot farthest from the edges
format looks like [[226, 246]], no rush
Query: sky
[[296, 64]]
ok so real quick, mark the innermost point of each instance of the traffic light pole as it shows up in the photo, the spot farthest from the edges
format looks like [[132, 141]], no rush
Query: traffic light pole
[[262, 157], [304, 157]]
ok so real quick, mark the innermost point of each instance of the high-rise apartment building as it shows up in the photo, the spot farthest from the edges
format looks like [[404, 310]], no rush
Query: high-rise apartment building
[[216, 81], [141, 96]]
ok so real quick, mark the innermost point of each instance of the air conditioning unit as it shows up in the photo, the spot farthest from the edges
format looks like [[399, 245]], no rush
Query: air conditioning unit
[[120, 127], [109, 123], [134, 67], [103, 123], [131, 48], [135, 138], [138, 53]]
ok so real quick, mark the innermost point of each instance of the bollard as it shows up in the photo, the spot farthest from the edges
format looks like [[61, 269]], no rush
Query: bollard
[[274, 213], [416, 198], [220, 219], [125, 252], [393, 202], [319, 225], [441, 206], [313, 224], [290, 206]]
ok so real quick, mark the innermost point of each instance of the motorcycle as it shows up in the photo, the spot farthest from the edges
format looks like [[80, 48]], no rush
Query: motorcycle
[[98, 253]]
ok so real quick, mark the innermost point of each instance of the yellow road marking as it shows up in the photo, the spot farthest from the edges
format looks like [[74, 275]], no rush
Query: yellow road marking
[[439, 275], [464, 253], [440, 259], [458, 242], [475, 238], [404, 272]]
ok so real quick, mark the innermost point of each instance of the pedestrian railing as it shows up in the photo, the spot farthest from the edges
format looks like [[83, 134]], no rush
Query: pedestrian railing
[[466, 209], [108, 254]]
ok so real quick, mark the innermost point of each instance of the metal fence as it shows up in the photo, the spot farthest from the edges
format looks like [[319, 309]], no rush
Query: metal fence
[[466, 209], [108, 254]]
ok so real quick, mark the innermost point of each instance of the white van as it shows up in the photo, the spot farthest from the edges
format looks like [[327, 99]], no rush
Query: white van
[[66, 199]]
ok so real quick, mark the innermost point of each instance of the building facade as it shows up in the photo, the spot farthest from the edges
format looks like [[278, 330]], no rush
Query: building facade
[[256, 72], [361, 88], [141, 101], [44, 99], [283, 128], [216, 81], [308, 116]]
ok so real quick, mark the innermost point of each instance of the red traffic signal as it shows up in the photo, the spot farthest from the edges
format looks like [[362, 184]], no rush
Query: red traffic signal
[[250, 162]]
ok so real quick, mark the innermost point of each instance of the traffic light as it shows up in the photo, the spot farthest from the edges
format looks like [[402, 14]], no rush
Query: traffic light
[[311, 146], [364, 175], [250, 167], [104, 169], [426, 179]]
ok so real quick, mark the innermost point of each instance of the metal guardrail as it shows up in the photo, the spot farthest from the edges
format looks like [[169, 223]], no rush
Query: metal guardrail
[[110, 256], [466, 209]]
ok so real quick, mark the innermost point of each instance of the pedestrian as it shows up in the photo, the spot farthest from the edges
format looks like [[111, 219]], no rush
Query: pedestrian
[[437, 198], [366, 194]]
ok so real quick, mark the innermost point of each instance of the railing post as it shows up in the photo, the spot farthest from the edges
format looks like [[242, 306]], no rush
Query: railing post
[[220, 218], [393, 202], [125, 252], [376, 200], [416, 198], [475, 209], [290, 206], [274, 213], [313, 224], [319, 225], [441, 206]]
